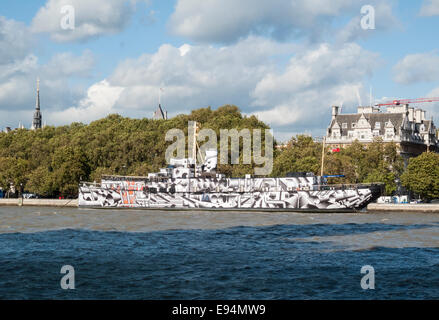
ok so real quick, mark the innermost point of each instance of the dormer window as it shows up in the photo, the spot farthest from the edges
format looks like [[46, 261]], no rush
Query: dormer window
[[377, 125], [390, 133], [344, 125], [353, 124]]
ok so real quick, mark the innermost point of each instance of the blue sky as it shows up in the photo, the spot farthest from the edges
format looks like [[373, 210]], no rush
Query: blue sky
[[285, 61]]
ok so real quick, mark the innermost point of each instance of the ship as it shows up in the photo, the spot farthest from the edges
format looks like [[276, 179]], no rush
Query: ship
[[185, 185]]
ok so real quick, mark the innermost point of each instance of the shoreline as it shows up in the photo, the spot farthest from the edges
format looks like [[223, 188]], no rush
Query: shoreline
[[70, 203], [404, 207], [371, 207]]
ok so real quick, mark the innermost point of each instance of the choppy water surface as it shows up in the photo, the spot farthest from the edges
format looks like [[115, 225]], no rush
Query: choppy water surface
[[139, 254]]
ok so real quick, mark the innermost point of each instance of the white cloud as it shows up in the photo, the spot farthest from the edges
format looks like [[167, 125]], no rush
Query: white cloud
[[184, 49], [19, 69], [201, 76], [67, 64], [430, 8], [16, 63], [93, 18], [99, 102], [434, 93], [225, 21], [384, 21], [18, 80], [432, 108], [419, 67], [246, 74], [229, 20], [15, 41], [192, 76], [287, 85], [281, 115], [314, 80], [15, 86]]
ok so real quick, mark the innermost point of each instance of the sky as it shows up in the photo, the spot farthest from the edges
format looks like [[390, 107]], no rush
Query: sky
[[285, 61]]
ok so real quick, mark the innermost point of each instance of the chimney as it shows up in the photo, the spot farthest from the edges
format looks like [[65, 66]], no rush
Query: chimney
[[364, 110], [418, 116], [335, 110], [411, 114], [422, 115]]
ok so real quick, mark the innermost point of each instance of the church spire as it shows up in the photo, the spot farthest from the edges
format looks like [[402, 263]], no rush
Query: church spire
[[159, 114], [37, 105], [36, 123]]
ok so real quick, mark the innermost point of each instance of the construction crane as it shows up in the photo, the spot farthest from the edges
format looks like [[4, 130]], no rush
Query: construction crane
[[407, 101]]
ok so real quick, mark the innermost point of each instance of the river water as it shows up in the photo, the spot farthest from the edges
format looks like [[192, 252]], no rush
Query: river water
[[141, 254]]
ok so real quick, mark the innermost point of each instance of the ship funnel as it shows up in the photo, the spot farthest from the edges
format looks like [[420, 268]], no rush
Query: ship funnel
[[211, 161]]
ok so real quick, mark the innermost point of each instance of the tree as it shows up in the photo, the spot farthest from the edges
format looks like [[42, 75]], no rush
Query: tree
[[340, 164], [301, 154], [51, 161], [367, 163], [41, 182], [381, 175], [13, 173], [422, 175], [69, 166]]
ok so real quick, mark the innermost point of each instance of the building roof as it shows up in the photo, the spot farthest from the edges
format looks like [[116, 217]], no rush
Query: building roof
[[396, 119], [159, 113]]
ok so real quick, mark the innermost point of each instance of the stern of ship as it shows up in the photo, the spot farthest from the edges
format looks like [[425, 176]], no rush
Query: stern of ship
[[377, 191]]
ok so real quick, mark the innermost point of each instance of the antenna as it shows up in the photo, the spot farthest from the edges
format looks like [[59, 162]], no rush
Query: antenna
[[160, 94], [358, 97]]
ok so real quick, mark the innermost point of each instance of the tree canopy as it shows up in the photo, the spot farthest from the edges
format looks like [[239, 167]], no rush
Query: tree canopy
[[52, 161], [359, 163], [422, 175]]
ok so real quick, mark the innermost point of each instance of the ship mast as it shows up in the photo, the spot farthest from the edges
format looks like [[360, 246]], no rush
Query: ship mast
[[194, 149], [323, 156]]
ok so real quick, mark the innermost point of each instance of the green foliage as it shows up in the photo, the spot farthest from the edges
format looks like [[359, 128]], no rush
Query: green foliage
[[300, 155], [422, 175], [359, 163], [51, 161], [41, 182], [374, 162], [228, 117], [13, 172]]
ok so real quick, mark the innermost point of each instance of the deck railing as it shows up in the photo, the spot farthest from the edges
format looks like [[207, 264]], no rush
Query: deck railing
[[326, 187]]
